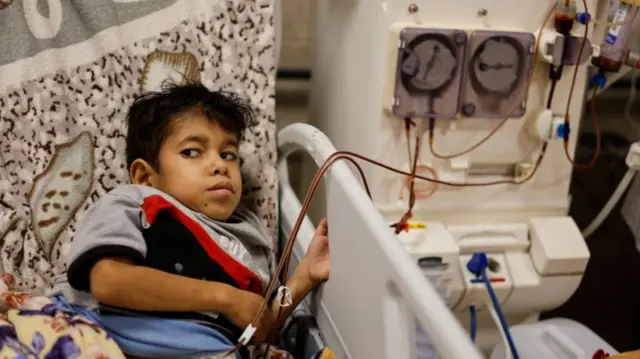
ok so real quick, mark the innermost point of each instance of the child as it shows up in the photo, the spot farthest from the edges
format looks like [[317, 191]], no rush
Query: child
[[178, 267]]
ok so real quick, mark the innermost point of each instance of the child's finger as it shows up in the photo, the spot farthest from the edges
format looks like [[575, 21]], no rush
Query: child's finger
[[323, 227]]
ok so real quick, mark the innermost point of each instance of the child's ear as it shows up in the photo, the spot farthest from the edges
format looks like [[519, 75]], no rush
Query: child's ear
[[142, 173]]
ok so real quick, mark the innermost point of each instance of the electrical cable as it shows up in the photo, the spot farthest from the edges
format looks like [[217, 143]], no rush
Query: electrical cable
[[505, 341], [477, 265], [503, 321], [473, 322], [407, 131], [596, 128], [420, 193], [552, 90], [567, 121], [270, 335], [401, 224], [506, 118]]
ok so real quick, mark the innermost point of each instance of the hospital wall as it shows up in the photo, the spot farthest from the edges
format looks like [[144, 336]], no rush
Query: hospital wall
[[292, 96]]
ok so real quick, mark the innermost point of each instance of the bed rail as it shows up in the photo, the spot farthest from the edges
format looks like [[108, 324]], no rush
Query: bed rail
[[366, 309]]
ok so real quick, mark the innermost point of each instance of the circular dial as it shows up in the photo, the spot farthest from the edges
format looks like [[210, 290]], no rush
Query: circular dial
[[496, 64], [428, 65]]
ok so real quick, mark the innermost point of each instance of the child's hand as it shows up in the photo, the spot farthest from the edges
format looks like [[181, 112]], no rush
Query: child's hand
[[317, 257], [244, 306]]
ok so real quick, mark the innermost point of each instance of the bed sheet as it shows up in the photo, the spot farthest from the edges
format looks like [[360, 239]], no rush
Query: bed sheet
[[68, 72]]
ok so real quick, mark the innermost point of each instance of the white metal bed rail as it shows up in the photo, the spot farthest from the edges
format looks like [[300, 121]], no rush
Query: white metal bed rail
[[366, 309]]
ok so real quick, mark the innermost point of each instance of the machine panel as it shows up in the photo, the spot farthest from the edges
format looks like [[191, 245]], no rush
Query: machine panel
[[429, 71], [466, 65], [497, 67]]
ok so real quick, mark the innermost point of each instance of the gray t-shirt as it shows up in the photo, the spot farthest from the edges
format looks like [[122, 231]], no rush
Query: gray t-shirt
[[153, 229]]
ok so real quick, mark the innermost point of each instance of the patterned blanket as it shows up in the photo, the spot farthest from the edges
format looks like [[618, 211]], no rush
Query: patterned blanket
[[33, 326], [69, 69]]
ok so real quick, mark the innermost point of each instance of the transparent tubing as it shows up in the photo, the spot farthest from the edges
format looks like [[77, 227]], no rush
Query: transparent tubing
[[611, 204]]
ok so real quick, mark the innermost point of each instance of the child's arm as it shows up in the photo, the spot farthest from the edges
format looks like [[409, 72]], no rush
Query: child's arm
[[119, 282], [106, 258]]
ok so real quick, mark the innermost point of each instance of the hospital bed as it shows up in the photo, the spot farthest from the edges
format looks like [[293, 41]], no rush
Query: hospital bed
[[67, 73], [383, 286]]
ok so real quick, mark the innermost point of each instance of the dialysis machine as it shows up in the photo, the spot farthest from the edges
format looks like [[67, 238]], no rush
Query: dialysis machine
[[490, 91]]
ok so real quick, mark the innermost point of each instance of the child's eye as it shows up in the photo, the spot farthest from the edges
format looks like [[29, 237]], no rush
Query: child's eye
[[190, 153], [229, 156]]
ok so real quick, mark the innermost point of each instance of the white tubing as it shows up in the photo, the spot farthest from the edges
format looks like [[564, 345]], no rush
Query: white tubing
[[503, 333], [613, 200]]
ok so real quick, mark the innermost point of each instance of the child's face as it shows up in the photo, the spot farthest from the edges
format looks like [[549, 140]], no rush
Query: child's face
[[199, 165]]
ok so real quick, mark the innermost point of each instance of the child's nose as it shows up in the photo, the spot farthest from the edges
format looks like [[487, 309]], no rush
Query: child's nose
[[219, 167]]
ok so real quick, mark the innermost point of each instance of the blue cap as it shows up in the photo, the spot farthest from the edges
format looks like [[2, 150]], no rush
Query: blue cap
[[599, 80], [560, 131], [478, 263], [583, 17]]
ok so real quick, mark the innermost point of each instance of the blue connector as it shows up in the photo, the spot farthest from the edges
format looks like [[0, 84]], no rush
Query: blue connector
[[583, 17], [477, 264], [599, 80], [563, 131]]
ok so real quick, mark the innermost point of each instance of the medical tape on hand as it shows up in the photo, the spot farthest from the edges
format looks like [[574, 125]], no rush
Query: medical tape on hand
[[246, 336], [284, 297]]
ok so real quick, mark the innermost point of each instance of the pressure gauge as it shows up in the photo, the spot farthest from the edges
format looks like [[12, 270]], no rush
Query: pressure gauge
[[428, 64], [428, 72], [497, 69], [496, 65]]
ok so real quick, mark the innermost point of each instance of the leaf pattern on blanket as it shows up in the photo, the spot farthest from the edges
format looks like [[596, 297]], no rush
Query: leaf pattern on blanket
[[60, 190], [5, 3]]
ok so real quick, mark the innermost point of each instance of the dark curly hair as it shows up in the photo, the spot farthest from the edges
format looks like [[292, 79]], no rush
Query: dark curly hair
[[151, 114]]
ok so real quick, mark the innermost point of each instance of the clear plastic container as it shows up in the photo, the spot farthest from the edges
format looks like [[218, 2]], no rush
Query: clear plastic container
[[614, 49], [557, 338]]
